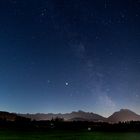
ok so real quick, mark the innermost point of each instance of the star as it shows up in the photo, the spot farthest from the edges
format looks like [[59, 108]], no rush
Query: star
[[66, 83], [43, 12]]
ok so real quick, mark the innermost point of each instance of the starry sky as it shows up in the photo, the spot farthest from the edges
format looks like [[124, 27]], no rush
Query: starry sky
[[69, 55]]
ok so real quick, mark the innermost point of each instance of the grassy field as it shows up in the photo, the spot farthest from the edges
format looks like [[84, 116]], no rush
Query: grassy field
[[65, 135]]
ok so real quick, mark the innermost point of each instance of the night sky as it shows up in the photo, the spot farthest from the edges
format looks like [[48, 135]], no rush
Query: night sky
[[69, 55]]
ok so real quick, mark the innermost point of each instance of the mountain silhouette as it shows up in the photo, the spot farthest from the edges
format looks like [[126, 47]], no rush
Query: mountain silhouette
[[123, 115], [79, 115], [6, 116]]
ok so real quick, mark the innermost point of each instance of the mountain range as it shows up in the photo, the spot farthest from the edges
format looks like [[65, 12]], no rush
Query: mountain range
[[121, 116], [73, 116]]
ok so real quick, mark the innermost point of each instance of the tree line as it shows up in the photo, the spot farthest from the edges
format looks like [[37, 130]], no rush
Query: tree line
[[60, 124]]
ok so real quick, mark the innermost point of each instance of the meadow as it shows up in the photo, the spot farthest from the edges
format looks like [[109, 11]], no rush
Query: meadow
[[67, 135]]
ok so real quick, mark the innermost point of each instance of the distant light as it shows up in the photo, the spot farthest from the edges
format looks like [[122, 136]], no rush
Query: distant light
[[89, 129]]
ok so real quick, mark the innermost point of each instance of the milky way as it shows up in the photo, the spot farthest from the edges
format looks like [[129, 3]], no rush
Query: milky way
[[69, 55]]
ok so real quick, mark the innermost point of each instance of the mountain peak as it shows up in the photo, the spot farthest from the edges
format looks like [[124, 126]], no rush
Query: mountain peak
[[124, 115], [125, 110]]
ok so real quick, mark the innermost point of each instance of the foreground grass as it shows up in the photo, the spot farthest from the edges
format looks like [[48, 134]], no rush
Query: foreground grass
[[67, 135]]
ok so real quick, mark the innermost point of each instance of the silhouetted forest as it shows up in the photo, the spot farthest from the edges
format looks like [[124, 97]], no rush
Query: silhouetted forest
[[60, 124]]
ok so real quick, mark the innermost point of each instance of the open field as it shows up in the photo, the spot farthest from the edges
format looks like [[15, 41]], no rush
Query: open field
[[67, 135]]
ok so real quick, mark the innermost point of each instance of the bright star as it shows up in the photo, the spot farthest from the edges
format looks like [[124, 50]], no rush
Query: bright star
[[67, 83]]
